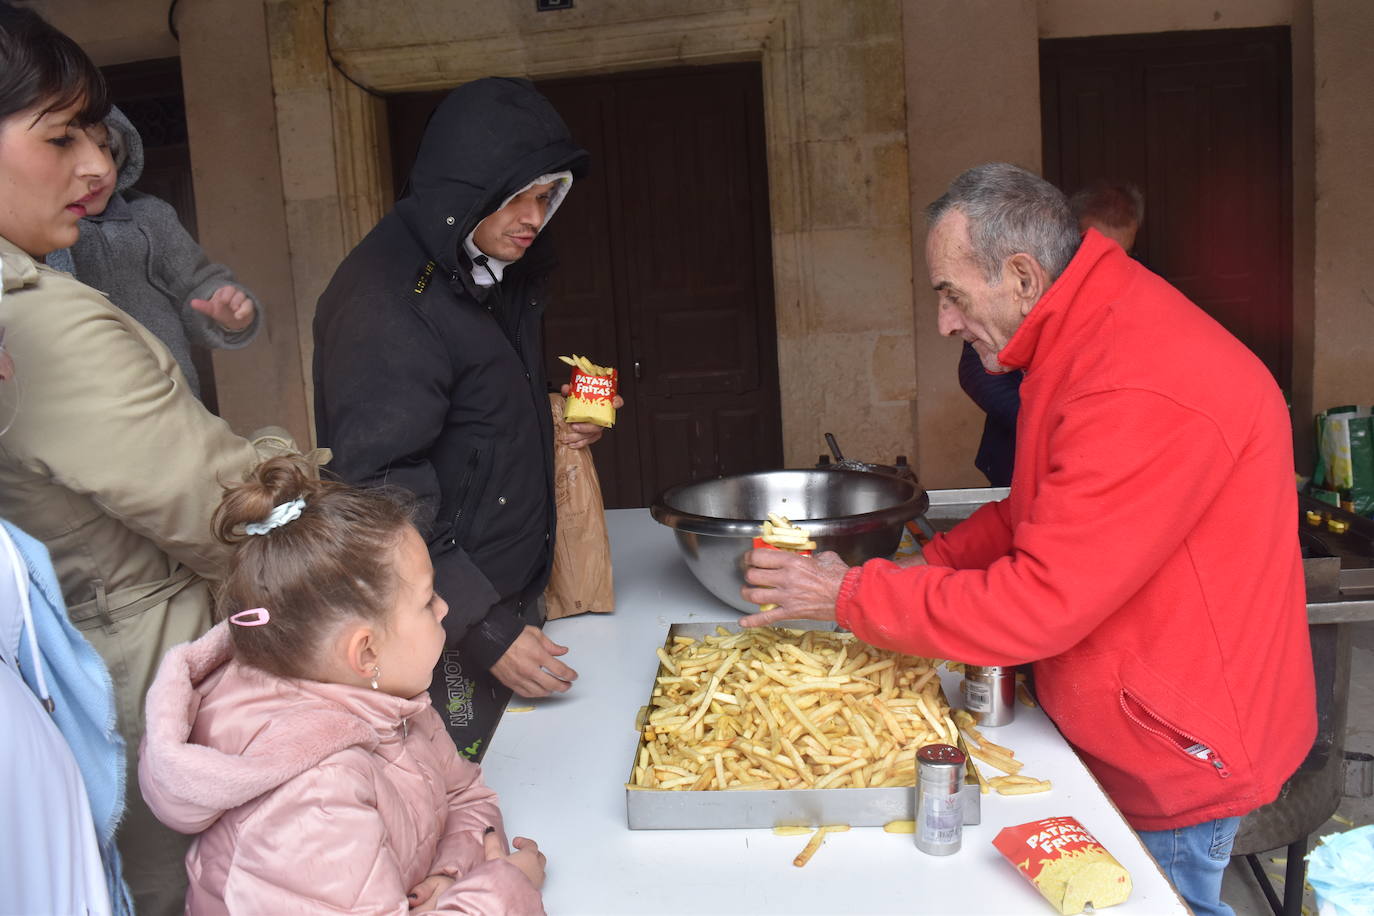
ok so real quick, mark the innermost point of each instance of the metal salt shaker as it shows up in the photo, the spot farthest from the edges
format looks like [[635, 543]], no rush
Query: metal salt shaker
[[939, 799], [990, 693]]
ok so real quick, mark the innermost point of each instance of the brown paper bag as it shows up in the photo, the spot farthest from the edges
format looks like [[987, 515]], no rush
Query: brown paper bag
[[581, 578]]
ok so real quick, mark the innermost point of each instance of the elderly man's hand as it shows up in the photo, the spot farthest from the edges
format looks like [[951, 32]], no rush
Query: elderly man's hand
[[803, 588], [582, 435]]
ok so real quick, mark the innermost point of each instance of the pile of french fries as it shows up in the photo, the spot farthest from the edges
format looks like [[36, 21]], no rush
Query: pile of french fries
[[773, 708]]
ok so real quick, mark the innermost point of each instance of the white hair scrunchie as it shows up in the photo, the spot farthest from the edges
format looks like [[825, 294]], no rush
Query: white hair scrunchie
[[286, 512]]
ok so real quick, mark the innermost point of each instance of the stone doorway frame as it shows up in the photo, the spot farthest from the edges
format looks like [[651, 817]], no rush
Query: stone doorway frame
[[761, 33], [337, 185]]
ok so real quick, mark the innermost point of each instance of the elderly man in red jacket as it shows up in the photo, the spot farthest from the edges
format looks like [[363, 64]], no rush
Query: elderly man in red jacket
[[1146, 560]]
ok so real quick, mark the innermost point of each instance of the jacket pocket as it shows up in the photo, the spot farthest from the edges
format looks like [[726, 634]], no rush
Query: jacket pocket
[[1184, 743], [473, 475]]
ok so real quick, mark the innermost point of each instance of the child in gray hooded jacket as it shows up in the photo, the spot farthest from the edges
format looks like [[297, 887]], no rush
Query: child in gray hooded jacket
[[136, 252]]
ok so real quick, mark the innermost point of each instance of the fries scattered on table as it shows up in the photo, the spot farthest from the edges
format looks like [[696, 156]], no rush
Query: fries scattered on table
[[788, 709], [815, 842], [995, 755], [790, 830]]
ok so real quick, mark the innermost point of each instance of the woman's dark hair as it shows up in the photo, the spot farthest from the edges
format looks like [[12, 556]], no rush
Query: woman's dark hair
[[41, 66], [327, 566]]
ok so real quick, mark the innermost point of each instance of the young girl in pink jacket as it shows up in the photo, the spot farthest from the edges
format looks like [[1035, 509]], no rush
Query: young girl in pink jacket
[[296, 737]]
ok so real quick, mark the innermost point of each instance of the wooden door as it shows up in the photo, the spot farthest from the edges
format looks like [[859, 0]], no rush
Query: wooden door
[[665, 269], [1200, 121]]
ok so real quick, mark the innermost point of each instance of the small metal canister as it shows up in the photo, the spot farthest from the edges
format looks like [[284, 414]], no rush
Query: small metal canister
[[990, 693], [939, 799]]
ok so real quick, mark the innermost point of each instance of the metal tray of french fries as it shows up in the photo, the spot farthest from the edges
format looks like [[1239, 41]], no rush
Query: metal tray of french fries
[[751, 802]]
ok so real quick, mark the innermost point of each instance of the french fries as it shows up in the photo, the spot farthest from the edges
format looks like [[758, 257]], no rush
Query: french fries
[[772, 708], [780, 533], [586, 365], [592, 395], [815, 842], [790, 830], [1019, 785], [1003, 758]]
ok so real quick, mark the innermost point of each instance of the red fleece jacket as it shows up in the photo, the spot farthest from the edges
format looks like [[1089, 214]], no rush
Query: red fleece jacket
[[1146, 560]]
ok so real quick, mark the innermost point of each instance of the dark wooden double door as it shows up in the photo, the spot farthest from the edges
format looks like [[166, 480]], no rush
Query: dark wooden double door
[[1200, 121], [664, 269]]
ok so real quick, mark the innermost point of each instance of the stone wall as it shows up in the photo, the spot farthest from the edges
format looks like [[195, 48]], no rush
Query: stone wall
[[113, 33], [1343, 325], [231, 122], [973, 82], [872, 106], [836, 153], [973, 96]]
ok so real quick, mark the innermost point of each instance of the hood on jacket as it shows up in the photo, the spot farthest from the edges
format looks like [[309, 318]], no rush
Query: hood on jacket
[[127, 148], [259, 730], [486, 141]]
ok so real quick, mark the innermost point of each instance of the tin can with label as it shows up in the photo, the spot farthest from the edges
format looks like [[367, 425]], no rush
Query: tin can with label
[[990, 693], [939, 799]]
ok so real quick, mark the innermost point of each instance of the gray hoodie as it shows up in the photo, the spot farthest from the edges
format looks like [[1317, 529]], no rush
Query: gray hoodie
[[138, 254]]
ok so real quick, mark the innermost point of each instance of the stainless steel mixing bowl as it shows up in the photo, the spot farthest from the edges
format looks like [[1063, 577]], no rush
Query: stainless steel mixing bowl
[[856, 514]]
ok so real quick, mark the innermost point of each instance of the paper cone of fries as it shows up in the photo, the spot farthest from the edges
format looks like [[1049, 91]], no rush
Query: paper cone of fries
[[1065, 863], [592, 395]]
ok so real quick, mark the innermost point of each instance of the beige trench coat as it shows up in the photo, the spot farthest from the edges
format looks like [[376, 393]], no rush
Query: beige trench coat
[[117, 468]]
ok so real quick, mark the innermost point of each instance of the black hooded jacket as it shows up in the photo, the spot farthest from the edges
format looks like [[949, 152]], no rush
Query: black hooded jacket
[[426, 381]]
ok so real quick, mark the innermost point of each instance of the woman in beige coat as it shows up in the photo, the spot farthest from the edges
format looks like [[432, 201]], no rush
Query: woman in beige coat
[[109, 460]]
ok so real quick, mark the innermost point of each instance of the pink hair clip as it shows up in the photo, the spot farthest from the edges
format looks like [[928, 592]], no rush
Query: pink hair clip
[[251, 618]]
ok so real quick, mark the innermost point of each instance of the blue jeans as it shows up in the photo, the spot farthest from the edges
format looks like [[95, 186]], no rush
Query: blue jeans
[[1193, 859]]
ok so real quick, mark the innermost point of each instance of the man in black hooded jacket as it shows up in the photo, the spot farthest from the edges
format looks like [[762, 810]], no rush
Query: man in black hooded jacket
[[429, 376]]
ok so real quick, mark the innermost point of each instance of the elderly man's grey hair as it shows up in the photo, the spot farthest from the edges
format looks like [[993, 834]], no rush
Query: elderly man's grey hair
[[1011, 210]]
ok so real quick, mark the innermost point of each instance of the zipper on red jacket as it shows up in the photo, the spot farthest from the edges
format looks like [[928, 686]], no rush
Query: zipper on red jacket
[[1189, 745]]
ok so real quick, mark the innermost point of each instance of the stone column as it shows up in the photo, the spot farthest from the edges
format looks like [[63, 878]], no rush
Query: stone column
[[242, 222], [844, 322], [1342, 35], [973, 96]]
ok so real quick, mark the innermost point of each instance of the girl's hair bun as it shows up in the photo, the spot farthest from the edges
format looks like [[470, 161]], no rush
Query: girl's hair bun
[[327, 565], [275, 481]]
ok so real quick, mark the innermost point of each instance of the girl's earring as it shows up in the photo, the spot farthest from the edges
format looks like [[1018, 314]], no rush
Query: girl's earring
[[376, 673]]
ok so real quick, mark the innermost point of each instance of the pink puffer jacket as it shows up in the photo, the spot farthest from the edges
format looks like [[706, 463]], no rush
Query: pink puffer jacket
[[312, 797]]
